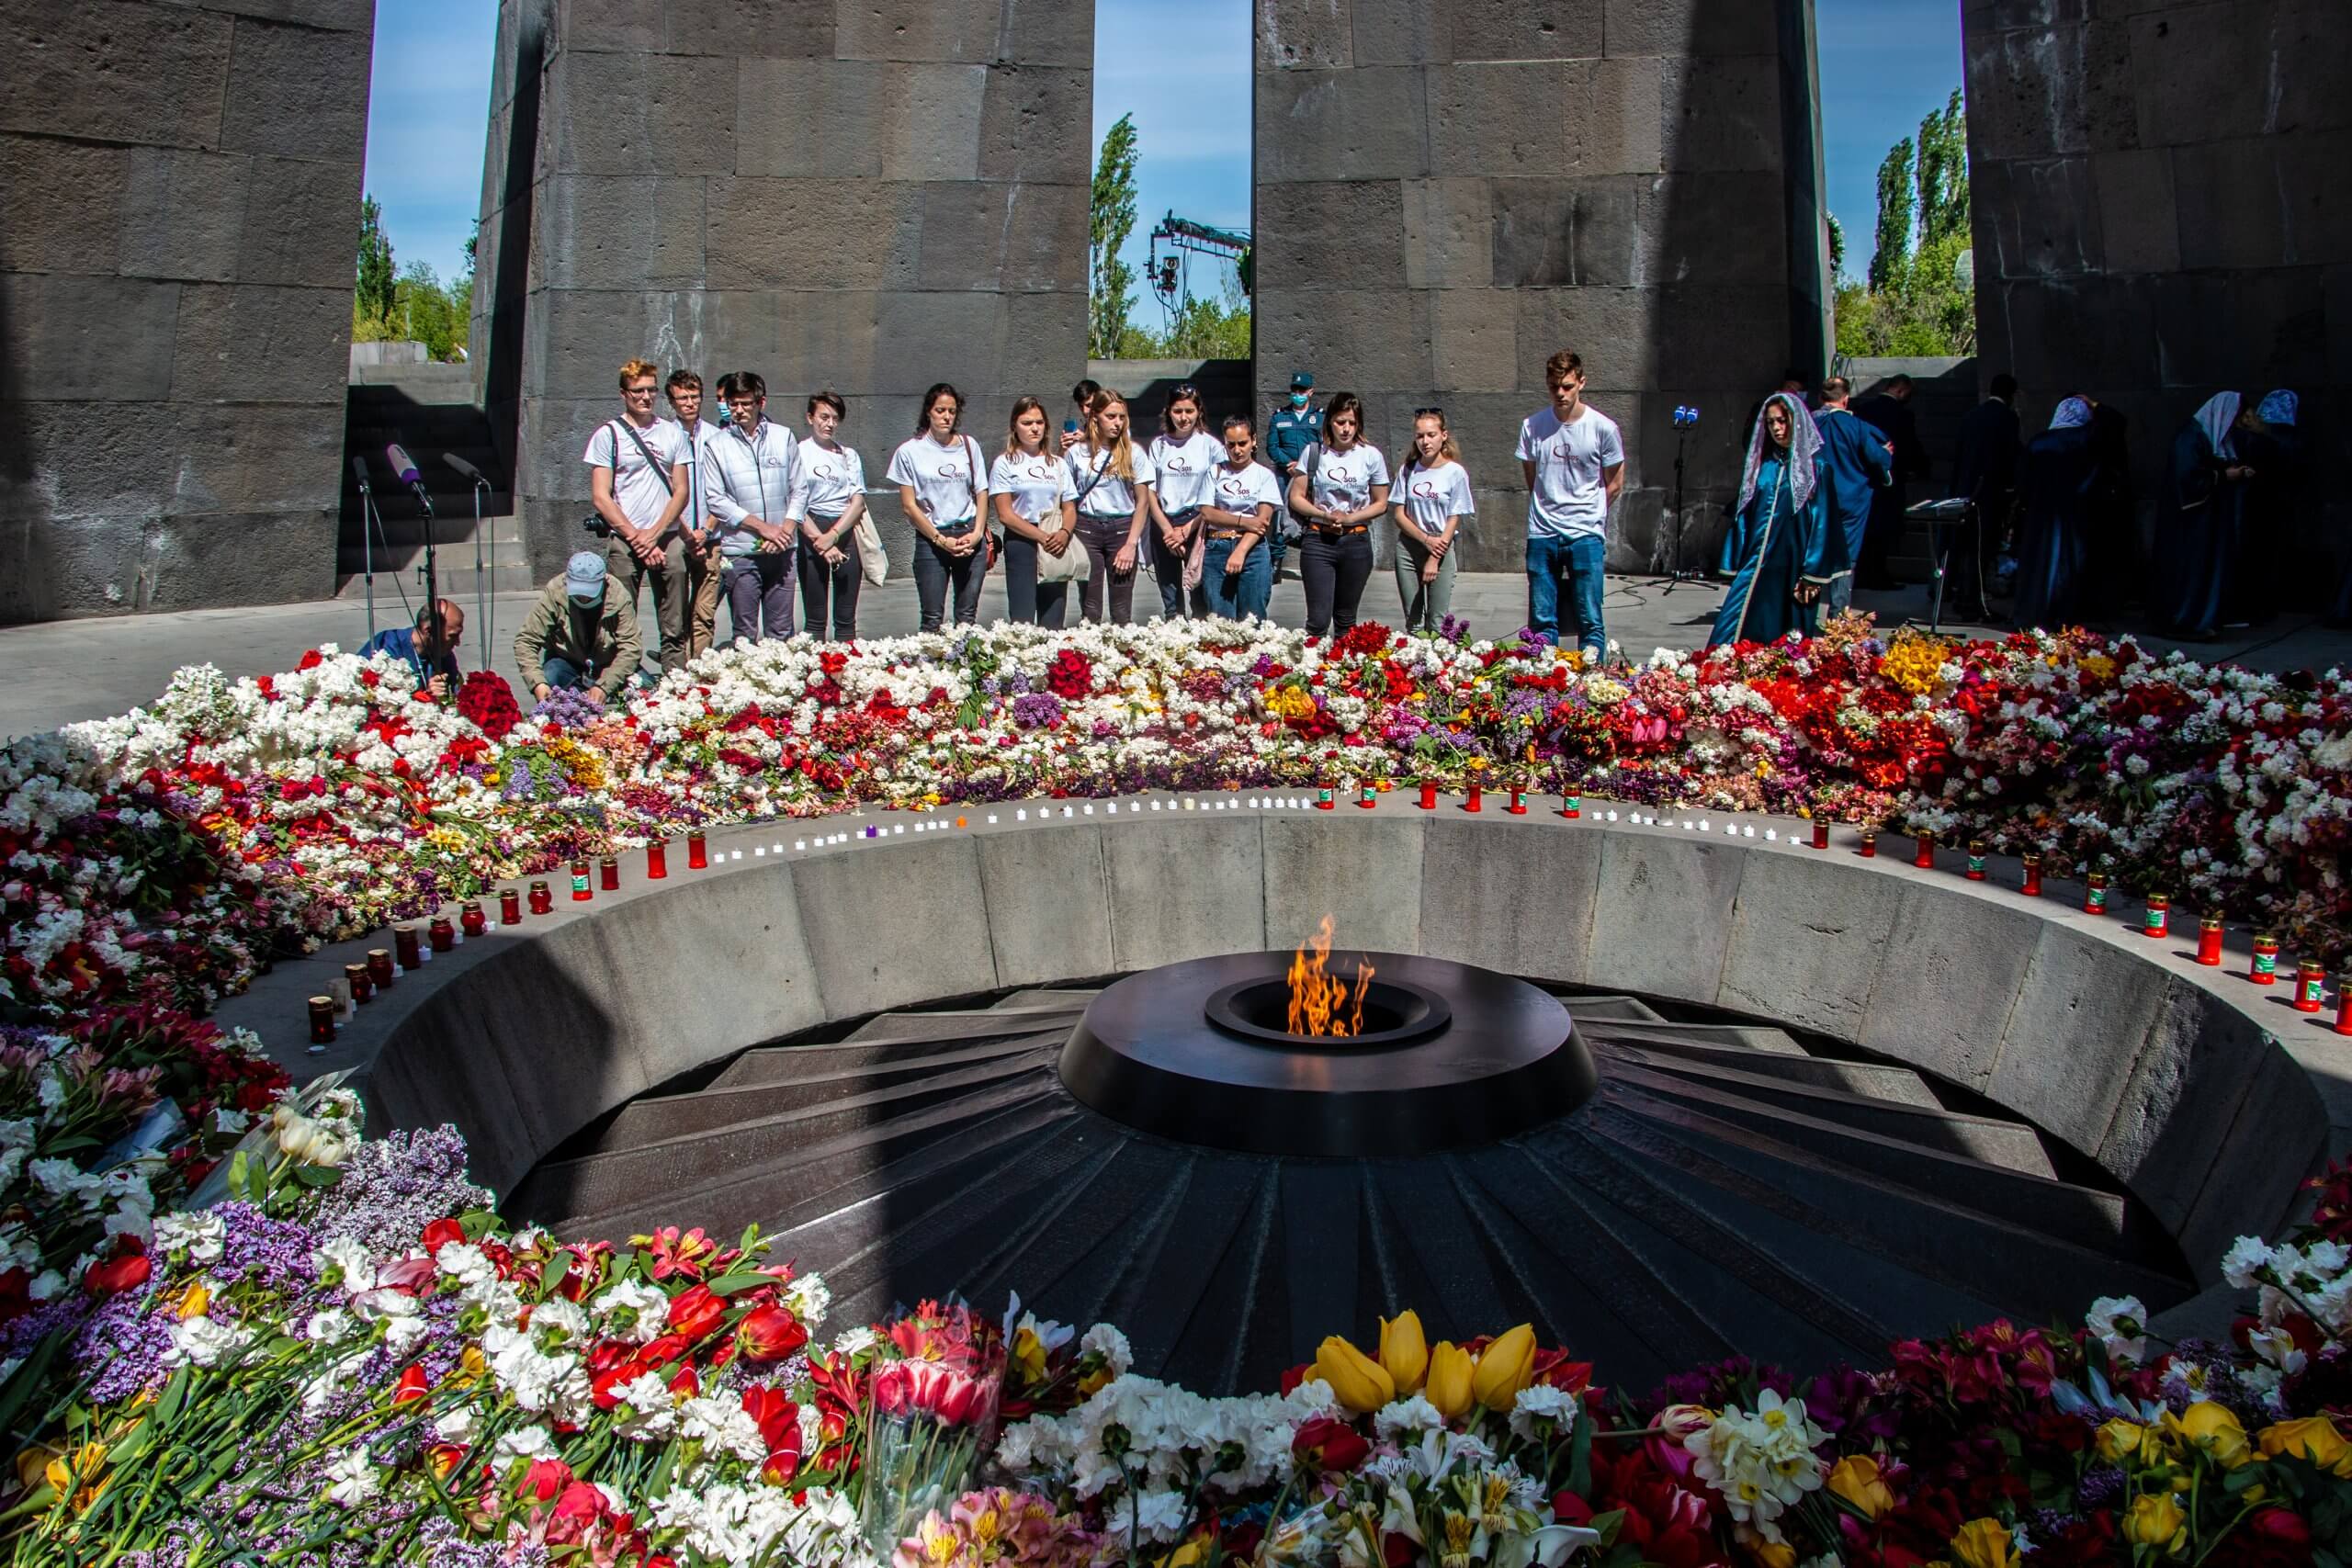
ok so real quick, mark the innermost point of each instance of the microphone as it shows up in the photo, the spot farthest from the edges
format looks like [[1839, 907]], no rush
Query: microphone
[[464, 467], [404, 469], [359, 472]]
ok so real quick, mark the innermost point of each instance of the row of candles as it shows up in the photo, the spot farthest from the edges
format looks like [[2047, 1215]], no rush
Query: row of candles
[[362, 981]]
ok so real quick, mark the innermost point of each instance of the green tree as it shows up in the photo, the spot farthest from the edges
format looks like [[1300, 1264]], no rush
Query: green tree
[[1943, 173], [372, 297], [1837, 250], [1894, 252], [1111, 217]]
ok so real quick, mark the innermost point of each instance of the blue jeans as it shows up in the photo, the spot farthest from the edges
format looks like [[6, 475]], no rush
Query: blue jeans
[[563, 675], [1577, 559], [1240, 595]]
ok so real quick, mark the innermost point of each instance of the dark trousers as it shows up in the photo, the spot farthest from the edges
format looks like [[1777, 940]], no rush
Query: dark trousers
[[1167, 566], [830, 592], [758, 594], [1333, 568], [1026, 600], [1104, 538], [936, 570]]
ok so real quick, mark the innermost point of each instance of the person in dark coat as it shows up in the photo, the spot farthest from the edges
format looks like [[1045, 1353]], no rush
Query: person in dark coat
[[2274, 449], [2199, 515], [1984, 474], [2117, 575], [2057, 482], [1888, 411], [1856, 462]]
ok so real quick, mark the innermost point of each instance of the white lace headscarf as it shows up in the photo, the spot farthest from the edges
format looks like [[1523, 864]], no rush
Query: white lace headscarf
[[1804, 451], [2218, 419]]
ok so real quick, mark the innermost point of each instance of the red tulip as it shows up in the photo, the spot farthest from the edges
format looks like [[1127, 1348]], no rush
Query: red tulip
[[769, 1334], [126, 1271], [1327, 1444], [412, 1385], [441, 1233], [544, 1479], [581, 1505], [777, 1417], [698, 1311]]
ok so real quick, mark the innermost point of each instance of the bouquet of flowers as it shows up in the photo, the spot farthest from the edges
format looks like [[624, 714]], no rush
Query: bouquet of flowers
[[933, 1379]]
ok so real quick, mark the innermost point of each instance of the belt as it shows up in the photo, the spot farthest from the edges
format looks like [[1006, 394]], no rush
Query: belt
[[1232, 533], [1341, 529]]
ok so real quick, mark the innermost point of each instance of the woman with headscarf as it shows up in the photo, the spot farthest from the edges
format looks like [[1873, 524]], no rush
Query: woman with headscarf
[[1782, 546], [2060, 473], [2200, 512]]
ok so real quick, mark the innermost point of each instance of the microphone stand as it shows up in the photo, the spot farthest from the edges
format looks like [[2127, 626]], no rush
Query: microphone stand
[[1676, 576], [481, 583], [366, 540]]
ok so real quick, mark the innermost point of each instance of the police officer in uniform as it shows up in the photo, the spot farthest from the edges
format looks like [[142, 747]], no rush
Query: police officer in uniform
[[1295, 427]]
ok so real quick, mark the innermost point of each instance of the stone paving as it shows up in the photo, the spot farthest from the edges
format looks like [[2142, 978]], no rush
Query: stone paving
[[89, 669]]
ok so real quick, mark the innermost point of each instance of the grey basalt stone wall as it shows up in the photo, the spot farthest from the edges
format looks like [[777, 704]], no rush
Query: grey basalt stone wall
[[2157, 190], [177, 223], [1447, 194], [2168, 1076], [867, 195]]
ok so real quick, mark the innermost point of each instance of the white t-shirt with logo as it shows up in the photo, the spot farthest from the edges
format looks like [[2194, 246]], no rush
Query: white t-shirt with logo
[[1111, 497], [1429, 496], [1243, 491], [1571, 493], [1038, 485], [1343, 481], [1186, 469], [942, 477], [825, 481], [642, 491]]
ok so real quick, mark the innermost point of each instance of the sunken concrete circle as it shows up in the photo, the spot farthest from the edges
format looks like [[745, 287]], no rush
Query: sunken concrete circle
[[2204, 1098], [1458, 1056]]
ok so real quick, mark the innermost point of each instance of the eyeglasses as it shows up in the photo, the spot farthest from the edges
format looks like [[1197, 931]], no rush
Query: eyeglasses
[[645, 391]]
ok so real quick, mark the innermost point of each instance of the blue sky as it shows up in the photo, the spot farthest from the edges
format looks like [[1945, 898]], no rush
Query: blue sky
[[1884, 63]]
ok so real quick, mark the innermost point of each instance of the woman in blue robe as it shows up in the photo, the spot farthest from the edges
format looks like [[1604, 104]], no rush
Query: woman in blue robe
[[2058, 481], [2199, 513], [1782, 546]]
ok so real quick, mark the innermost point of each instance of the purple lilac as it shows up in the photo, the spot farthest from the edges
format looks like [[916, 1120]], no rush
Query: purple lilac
[[275, 1254], [123, 1344], [393, 1187], [1037, 710]]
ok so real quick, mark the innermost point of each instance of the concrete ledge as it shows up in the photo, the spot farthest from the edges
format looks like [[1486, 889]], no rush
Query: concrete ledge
[[2208, 1098]]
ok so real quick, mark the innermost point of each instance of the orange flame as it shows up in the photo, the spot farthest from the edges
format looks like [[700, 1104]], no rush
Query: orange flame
[[1317, 997]]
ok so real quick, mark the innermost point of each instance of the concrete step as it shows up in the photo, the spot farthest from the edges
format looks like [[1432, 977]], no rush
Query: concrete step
[[962, 1024], [789, 1063], [1042, 997], [1729, 1036], [1630, 1010], [1874, 1080]]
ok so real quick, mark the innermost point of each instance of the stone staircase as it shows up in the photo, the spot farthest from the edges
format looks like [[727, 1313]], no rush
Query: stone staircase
[[1731, 1188], [389, 409]]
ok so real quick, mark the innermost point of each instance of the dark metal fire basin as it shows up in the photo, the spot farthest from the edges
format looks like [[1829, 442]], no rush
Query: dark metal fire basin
[[1453, 1056]]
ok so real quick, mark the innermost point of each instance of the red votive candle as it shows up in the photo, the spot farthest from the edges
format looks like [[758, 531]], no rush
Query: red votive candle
[[542, 901], [1820, 833], [1428, 796], [405, 947], [380, 967], [696, 859], [471, 920], [2344, 1004], [1323, 801], [441, 935], [1366, 795], [322, 1021], [1572, 806], [1518, 807], [581, 891], [2264, 970], [657, 861], [2095, 893], [2032, 886], [2157, 920], [1869, 844], [2311, 983], [609, 878], [1924, 855], [1975, 860], [355, 976], [1471, 803], [2209, 942], [510, 907]]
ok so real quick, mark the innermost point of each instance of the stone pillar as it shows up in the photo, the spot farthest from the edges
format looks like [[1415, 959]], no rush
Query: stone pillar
[[2158, 201], [1446, 194], [870, 197], [181, 214]]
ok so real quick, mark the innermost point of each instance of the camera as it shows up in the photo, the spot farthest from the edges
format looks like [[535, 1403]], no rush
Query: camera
[[1685, 417], [596, 525]]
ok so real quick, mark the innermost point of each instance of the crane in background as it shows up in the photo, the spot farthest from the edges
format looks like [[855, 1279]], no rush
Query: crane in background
[[1176, 240]]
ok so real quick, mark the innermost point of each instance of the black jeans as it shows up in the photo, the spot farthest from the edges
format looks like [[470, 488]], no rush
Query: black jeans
[[936, 569], [1104, 538], [1026, 600], [1333, 568], [1167, 566], [832, 587]]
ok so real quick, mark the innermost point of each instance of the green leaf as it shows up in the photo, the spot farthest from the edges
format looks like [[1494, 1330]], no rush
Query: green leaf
[[1581, 1454], [317, 1174], [735, 1283]]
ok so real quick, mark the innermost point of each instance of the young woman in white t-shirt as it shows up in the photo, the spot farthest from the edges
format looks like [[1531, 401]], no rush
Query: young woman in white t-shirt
[[1185, 457], [943, 485], [1342, 485], [828, 498], [1430, 498], [1236, 571], [1114, 477], [1030, 487]]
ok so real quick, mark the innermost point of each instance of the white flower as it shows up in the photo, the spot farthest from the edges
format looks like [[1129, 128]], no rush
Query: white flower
[[649, 1409], [856, 1341], [458, 1425], [199, 1235], [1108, 1342], [725, 1426], [630, 1310], [522, 1442], [1406, 1417], [465, 1262], [2120, 1322], [354, 1478], [2247, 1256], [344, 1262], [1541, 1403], [809, 1298], [331, 1326]]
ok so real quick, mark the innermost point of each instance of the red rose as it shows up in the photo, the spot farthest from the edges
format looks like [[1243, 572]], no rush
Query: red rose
[[769, 1334], [126, 1271], [696, 1312], [1327, 1444]]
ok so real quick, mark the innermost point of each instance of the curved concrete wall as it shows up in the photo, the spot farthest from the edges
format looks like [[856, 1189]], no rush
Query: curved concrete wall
[[2169, 1076]]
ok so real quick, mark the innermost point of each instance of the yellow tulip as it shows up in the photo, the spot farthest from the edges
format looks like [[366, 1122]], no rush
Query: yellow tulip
[[2213, 1428], [196, 1302], [1856, 1479], [1505, 1367], [1448, 1388], [2119, 1440], [1984, 1543], [1403, 1353], [2156, 1521], [1773, 1554], [2313, 1438], [1357, 1381]]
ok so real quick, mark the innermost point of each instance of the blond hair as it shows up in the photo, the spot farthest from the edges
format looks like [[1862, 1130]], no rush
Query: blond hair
[[631, 369], [1123, 453]]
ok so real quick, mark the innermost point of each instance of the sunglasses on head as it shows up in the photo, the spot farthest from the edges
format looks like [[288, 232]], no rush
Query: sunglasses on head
[[1424, 413]]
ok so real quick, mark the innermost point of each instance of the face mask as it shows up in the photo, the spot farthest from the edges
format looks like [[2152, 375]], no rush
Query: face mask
[[1298, 400]]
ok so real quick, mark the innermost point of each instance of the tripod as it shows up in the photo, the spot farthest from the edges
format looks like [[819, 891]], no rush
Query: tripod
[[1676, 574]]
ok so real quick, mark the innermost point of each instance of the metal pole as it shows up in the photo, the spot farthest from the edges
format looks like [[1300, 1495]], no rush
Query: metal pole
[[481, 588]]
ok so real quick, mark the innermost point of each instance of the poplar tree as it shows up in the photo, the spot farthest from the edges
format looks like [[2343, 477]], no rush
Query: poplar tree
[[1111, 217], [377, 280], [1894, 210]]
